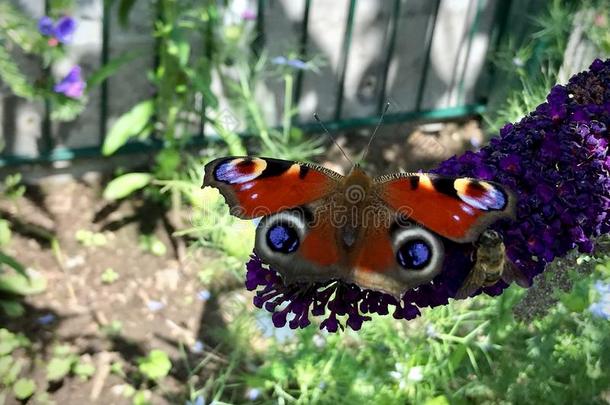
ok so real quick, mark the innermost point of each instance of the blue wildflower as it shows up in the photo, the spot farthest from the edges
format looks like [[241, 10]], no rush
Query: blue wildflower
[[204, 295], [199, 400], [253, 393], [601, 308], [197, 347], [46, 319], [155, 306], [294, 63]]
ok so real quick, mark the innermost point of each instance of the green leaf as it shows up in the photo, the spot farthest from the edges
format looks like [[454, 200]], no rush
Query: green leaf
[[11, 262], [130, 124], [13, 373], [10, 341], [152, 244], [12, 308], [238, 241], [440, 400], [84, 370], [109, 276], [24, 388], [12, 75], [18, 284], [110, 68], [5, 364], [5, 232], [141, 398], [156, 365], [58, 368], [126, 184]]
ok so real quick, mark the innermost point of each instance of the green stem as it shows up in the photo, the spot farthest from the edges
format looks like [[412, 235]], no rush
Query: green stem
[[254, 110], [287, 115]]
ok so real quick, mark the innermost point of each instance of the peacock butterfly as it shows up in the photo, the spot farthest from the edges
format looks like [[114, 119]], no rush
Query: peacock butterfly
[[386, 233]]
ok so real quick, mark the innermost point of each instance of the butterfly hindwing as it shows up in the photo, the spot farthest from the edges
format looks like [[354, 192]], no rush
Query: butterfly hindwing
[[256, 186], [456, 208], [301, 244]]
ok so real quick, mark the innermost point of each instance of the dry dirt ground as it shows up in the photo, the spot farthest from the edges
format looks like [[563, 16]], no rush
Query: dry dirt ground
[[158, 301]]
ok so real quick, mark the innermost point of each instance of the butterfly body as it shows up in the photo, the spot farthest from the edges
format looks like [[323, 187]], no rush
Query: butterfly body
[[385, 233]]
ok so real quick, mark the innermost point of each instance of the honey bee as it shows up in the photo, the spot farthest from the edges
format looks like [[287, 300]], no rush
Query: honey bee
[[491, 265]]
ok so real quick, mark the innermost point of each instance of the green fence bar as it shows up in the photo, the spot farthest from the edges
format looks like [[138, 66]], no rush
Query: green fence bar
[[474, 27], [302, 52], [342, 68], [63, 154], [104, 59], [426, 66], [392, 30]]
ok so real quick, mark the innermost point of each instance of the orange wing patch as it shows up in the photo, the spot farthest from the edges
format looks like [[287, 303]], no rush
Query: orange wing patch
[[320, 245], [255, 187], [457, 209]]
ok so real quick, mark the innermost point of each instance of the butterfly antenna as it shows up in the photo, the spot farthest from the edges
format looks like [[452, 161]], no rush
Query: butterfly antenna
[[368, 145], [315, 116]]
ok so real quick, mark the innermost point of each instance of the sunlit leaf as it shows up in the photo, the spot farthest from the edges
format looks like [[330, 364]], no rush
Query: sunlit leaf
[[24, 388], [127, 126], [59, 367], [126, 184]]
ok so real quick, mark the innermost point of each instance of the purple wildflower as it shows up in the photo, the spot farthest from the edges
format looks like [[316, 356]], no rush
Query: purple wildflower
[[248, 15], [45, 26], [64, 29], [60, 32], [556, 162], [72, 85]]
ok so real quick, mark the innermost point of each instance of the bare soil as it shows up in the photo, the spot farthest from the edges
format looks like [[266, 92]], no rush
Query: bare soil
[[155, 299]]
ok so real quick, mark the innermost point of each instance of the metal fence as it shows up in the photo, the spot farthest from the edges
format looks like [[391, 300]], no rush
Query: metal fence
[[349, 93]]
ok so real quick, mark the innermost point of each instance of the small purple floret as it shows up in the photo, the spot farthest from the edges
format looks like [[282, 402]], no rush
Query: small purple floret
[[62, 31], [72, 85]]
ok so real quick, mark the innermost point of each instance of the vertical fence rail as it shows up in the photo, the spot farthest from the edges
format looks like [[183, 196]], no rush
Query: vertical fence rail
[[46, 128], [474, 28], [392, 30], [342, 68], [426, 65], [499, 24], [303, 41], [104, 59]]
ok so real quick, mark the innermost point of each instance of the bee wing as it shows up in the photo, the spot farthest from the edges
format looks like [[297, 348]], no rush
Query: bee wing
[[472, 283], [512, 274]]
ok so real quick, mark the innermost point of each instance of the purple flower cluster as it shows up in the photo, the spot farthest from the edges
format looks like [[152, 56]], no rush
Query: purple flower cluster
[[60, 32], [72, 85], [556, 162]]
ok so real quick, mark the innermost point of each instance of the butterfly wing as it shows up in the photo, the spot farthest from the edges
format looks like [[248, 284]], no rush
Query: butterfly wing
[[456, 208], [309, 244], [301, 244], [396, 256], [255, 187]]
